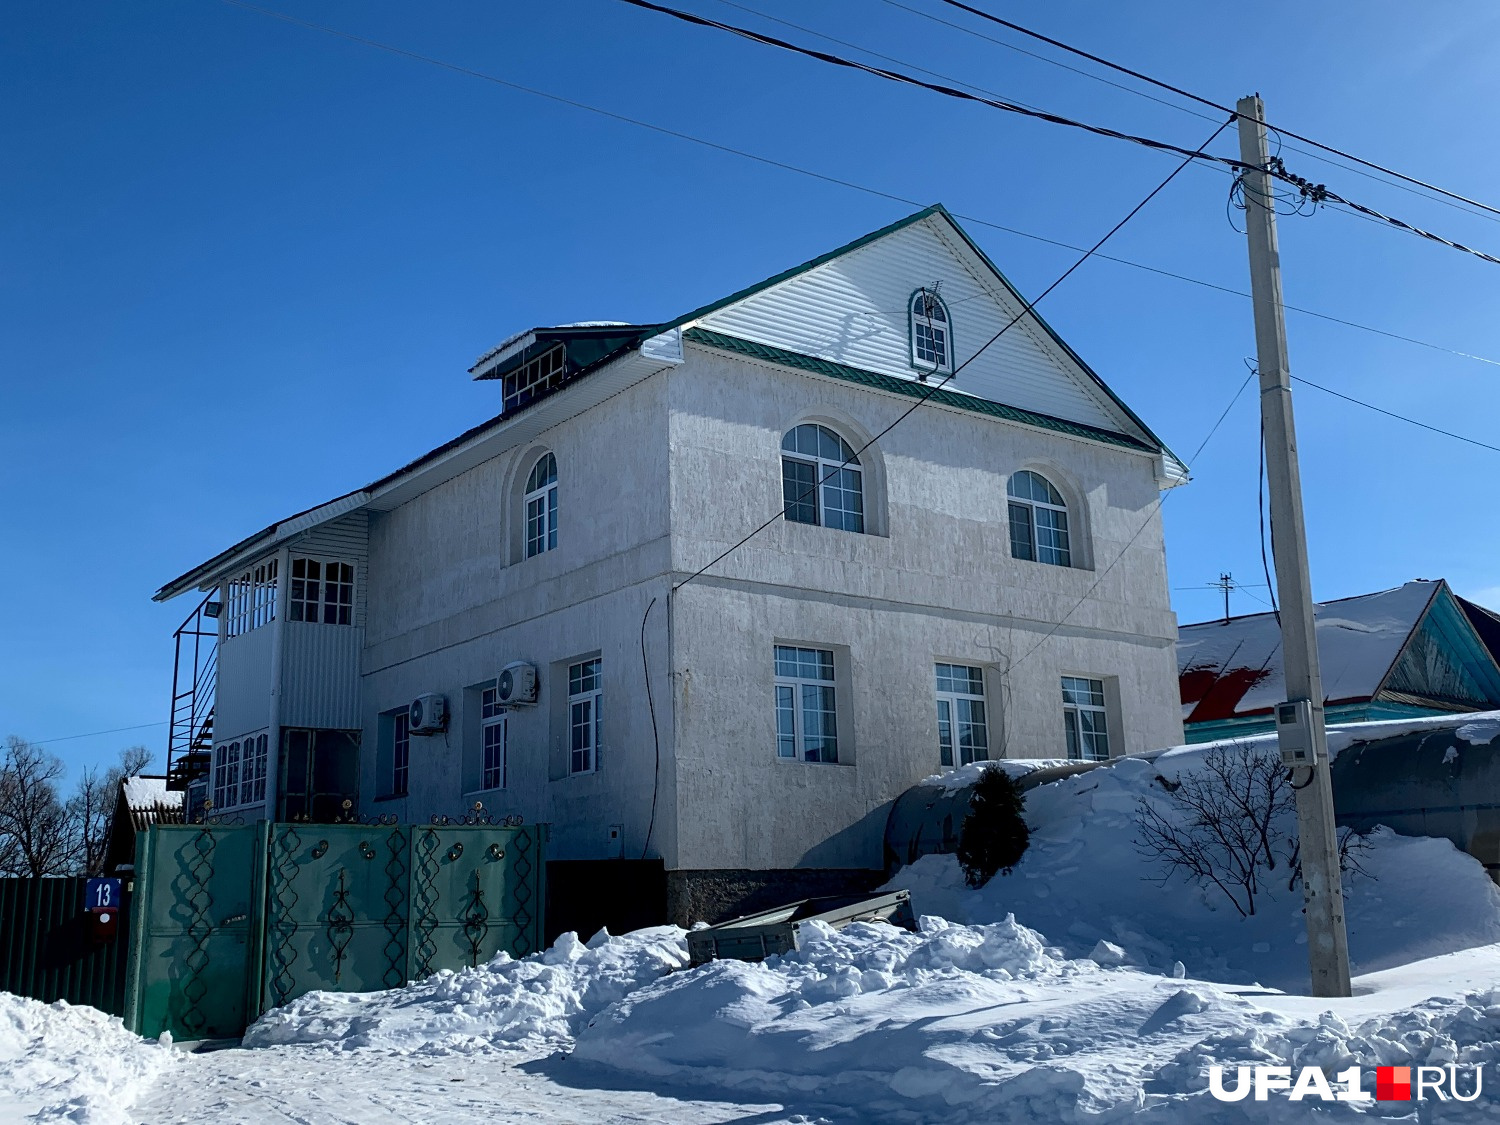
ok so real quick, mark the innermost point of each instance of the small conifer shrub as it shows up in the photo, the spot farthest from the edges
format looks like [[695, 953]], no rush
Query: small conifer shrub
[[994, 834]]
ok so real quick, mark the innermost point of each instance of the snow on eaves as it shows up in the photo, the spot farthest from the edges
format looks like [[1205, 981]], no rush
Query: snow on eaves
[[1235, 668]]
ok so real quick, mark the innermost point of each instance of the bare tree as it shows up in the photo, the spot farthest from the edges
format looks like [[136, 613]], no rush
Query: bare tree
[[34, 829], [92, 806], [1225, 822], [1222, 824]]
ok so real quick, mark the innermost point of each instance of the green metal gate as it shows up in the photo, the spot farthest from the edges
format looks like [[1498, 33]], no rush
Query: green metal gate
[[234, 921]]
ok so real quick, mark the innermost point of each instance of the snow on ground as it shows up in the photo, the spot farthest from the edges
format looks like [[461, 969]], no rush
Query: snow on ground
[[60, 1062], [1074, 990], [1082, 881], [537, 1001]]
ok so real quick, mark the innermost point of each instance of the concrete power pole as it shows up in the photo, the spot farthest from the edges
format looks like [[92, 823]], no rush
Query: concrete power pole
[[1299, 721]]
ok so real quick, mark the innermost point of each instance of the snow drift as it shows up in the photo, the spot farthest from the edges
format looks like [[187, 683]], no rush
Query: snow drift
[[539, 1000], [60, 1062]]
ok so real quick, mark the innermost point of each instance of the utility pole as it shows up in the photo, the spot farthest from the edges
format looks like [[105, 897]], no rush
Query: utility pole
[[1299, 721], [1225, 583]]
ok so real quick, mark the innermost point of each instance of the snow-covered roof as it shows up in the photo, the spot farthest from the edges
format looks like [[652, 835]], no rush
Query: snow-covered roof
[[1233, 668], [150, 792], [526, 334]]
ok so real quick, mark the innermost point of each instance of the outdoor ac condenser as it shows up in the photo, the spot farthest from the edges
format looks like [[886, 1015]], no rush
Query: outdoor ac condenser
[[517, 684], [428, 714]]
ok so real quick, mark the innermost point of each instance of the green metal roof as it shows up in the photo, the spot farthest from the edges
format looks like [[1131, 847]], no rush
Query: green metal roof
[[907, 387]]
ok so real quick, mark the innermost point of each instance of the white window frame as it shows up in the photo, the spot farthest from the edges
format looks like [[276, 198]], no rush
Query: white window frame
[[226, 781], [840, 476], [400, 754], [540, 508], [250, 599], [534, 378], [585, 715], [493, 724], [309, 599], [926, 310], [1085, 718], [956, 708], [799, 670], [1026, 508]]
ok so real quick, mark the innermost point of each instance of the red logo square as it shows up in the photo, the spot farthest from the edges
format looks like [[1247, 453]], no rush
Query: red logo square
[[1393, 1083]]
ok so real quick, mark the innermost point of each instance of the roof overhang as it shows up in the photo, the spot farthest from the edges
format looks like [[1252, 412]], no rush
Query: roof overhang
[[487, 440]]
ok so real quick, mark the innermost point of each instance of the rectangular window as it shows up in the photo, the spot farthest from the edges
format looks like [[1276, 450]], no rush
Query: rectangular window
[[963, 728], [400, 753], [541, 522], [1084, 718], [799, 490], [253, 770], [493, 736], [932, 344], [534, 378], [806, 714], [585, 706], [1021, 544], [226, 776], [321, 590], [250, 599]]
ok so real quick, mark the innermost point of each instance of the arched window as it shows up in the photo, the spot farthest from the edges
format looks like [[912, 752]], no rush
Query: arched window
[[1038, 520], [811, 454], [541, 506], [931, 334]]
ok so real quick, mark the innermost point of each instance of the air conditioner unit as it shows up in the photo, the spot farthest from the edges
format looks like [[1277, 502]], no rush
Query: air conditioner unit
[[428, 714], [517, 685]]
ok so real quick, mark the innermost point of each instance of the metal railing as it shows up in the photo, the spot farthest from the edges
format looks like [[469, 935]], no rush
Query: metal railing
[[195, 674]]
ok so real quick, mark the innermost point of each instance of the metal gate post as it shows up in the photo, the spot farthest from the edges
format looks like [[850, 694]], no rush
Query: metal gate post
[[260, 890], [140, 907]]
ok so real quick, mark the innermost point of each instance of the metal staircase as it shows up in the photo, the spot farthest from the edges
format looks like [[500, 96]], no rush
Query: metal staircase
[[195, 673]]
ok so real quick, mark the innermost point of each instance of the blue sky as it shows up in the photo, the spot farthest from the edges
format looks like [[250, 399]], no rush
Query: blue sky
[[245, 265]]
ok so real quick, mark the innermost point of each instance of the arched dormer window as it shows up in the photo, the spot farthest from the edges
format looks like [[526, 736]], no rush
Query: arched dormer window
[[1038, 520], [811, 454], [931, 334], [541, 506]]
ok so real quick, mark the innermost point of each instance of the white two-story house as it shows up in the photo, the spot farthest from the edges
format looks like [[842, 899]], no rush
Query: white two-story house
[[714, 591]]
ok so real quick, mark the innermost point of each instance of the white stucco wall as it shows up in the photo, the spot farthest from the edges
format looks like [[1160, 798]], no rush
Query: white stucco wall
[[654, 483], [451, 602], [939, 586]]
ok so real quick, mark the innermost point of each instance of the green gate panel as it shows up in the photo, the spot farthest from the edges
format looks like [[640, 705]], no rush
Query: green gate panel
[[229, 921], [476, 890], [336, 910], [200, 893]]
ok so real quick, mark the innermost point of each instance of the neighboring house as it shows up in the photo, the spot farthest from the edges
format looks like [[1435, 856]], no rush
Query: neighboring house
[[985, 578], [1411, 651], [140, 802]]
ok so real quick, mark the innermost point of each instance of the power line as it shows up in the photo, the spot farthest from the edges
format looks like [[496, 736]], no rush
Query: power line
[[1212, 104], [946, 91], [853, 457], [824, 177], [94, 733], [1156, 508], [1393, 414], [1318, 192]]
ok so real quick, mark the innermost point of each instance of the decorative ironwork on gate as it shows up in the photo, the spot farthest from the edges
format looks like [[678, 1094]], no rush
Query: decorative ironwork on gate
[[243, 918]]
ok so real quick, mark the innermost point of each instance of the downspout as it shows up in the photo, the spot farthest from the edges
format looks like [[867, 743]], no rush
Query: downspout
[[278, 641]]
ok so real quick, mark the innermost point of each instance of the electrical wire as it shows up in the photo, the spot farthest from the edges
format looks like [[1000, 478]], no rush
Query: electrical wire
[[826, 178], [1393, 414], [1260, 507], [655, 733], [93, 733], [1318, 192], [1150, 515], [853, 458], [1209, 104]]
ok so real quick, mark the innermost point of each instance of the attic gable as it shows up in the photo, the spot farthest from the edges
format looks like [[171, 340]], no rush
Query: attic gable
[[850, 307]]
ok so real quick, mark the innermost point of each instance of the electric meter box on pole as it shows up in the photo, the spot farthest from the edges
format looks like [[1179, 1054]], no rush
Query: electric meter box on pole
[[1294, 734]]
